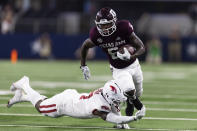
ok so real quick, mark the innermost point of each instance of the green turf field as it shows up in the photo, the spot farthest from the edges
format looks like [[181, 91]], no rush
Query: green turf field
[[170, 95]]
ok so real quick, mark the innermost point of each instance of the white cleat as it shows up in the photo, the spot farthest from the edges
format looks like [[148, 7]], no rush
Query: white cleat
[[141, 113], [122, 126], [20, 83], [16, 99]]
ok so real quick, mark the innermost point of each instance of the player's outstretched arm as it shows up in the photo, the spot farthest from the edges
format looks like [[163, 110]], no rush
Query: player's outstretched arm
[[113, 118], [138, 44], [84, 50]]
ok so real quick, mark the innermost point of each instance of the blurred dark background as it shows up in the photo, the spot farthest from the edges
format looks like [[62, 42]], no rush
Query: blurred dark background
[[168, 28]]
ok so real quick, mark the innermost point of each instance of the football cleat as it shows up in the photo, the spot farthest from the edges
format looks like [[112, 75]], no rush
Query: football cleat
[[141, 113], [122, 126], [16, 99], [20, 83]]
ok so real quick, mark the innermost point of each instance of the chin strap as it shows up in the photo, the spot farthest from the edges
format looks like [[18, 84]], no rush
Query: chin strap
[[104, 98]]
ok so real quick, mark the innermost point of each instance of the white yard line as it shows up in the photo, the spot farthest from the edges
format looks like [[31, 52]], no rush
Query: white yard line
[[17, 105], [51, 84], [176, 119], [146, 118], [170, 96], [171, 109], [8, 92], [151, 109], [89, 127], [169, 103], [14, 114]]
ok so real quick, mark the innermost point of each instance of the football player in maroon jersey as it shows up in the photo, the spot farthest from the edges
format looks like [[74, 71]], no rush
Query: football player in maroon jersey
[[110, 35]]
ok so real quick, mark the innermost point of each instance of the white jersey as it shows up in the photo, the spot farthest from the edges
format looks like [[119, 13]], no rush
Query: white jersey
[[71, 103]]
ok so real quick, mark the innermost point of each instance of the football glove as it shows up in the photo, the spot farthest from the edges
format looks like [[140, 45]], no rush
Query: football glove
[[125, 56], [141, 113], [86, 72]]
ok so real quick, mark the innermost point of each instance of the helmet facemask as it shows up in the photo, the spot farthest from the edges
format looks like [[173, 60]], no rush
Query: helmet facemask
[[105, 27], [106, 21], [113, 94]]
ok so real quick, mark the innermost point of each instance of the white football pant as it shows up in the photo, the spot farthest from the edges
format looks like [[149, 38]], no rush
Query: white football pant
[[129, 78]]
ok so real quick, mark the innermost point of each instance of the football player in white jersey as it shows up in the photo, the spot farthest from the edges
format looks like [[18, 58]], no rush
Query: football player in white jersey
[[103, 102]]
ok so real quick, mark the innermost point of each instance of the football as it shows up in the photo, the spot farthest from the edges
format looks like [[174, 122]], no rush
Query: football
[[128, 47]]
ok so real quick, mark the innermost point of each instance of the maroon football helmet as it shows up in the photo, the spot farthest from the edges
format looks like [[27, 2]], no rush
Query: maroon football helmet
[[106, 21]]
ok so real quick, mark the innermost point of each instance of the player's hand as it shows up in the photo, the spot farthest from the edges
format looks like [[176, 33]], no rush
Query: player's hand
[[125, 56], [141, 113], [86, 72]]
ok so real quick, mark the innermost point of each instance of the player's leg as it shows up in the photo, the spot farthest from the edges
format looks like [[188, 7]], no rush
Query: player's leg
[[138, 82], [58, 105], [45, 106], [125, 80], [19, 96], [130, 108], [31, 95], [48, 107]]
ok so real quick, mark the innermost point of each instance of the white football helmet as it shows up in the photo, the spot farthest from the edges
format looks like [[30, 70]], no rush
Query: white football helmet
[[113, 94]]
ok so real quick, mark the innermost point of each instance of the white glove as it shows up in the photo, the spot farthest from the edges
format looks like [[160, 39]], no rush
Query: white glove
[[141, 113], [86, 72], [125, 56]]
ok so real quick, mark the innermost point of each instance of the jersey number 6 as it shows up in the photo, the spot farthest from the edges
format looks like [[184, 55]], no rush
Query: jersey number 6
[[112, 52]]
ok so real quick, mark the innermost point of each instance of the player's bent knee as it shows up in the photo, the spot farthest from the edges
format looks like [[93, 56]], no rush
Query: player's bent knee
[[130, 94]]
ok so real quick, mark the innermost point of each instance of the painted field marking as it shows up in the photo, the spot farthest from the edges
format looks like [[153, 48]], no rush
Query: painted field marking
[[8, 92], [146, 118], [51, 84], [171, 109], [170, 96], [169, 103], [151, 109], [93, 127]]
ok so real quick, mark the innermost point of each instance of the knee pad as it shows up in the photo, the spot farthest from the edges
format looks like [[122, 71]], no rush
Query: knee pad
[[130, 94]]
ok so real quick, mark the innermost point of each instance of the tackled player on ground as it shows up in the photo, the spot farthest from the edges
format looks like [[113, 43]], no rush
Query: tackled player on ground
[[103, 102]]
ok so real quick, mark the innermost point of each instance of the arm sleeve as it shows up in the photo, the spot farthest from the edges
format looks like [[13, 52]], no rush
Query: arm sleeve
[[113, 118]]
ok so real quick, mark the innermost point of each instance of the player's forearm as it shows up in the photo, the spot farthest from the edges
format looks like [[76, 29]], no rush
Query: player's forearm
[[138, 44], [140, 49], [113, 118], [84, 51]]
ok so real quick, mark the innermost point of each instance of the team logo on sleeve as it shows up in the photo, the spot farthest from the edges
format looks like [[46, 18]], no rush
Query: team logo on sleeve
[[99, 40]]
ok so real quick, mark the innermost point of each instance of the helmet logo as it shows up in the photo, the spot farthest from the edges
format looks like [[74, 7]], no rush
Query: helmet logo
[[113, 13], [113, 89]]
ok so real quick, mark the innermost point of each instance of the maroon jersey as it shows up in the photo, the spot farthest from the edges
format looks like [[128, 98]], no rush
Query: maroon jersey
[[111, 44]]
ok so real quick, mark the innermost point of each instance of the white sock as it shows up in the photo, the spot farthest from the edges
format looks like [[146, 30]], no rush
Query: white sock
[[32, 95]]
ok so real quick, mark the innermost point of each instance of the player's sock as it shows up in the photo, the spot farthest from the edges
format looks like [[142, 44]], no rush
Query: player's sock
[[129, 109], [33, 95], [137, 103]]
